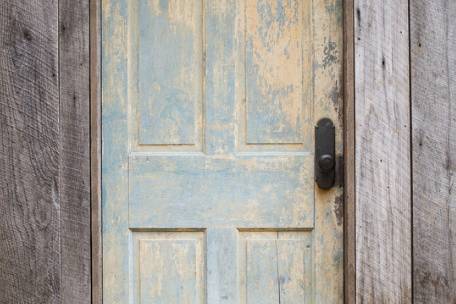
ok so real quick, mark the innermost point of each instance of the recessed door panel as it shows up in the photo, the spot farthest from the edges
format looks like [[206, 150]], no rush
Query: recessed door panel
[[275, 33], [167, 267], [169, 68]]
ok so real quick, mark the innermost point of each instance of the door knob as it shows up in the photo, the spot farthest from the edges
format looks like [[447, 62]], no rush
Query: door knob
[[325, 160]]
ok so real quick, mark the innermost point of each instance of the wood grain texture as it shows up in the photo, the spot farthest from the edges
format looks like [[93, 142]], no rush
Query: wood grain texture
[[168, 104], [29, 153], [328, 102], [168, 267], [74, 154], [433, 45], [278, 271], [95, 149], [349, 155], [383, 196]]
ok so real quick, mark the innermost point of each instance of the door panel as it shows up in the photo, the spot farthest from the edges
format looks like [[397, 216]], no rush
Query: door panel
[[223, 191], [271, 37], [276, 267], [209, 109], [167, 267], [169, 53]]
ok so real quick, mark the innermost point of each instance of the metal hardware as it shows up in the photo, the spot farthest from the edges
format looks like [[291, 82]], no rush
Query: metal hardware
[[325, 158]]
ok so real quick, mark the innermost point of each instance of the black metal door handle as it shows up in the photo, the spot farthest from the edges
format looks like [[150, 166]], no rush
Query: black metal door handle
[[325, 159]]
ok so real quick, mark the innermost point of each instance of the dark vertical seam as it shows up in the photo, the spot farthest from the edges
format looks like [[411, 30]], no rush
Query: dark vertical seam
[[99, 100], [412, 268]]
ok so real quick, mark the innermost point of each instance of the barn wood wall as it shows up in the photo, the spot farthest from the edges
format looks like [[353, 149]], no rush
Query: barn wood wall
[[382, 152], [44, 152], [405, 151], [433, 83]]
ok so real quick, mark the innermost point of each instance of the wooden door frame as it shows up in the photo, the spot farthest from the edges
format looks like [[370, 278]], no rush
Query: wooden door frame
[[349, 152], [349, 149], [95, 151]]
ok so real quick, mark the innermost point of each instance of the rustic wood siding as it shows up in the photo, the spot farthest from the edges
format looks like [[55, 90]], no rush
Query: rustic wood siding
[[44, 160], [74, 182], [405, 152], [29, 121], [382, 161], [433, 59]]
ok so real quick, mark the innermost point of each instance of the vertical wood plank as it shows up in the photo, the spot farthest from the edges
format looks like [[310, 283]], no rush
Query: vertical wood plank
[[349, 155], [29, 152], [168, 272], [74, 154], [433, 58], [115, 21], [383, 196], [95, 150], [222, 282], [262, 272], [327, 78]]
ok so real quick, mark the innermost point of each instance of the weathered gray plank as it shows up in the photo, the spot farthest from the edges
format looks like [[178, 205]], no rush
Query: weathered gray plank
[[95, 149], [383, 198], [433, 50], [349, 155], [75, 154], [29, 153]]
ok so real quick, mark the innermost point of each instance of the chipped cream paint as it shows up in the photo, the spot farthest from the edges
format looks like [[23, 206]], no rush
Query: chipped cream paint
[[273, 62], [276, 265], [181, 254], [167, 86], [208, 115], [274, 101]]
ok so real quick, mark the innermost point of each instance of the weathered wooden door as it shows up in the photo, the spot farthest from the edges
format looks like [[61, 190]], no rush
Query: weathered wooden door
[[209, 108]]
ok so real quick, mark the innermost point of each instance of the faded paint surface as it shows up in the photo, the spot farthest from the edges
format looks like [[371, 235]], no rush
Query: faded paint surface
[[276, 267], [208, 119], [200, 191], [274, 34], [167, 265], [169, 71]]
